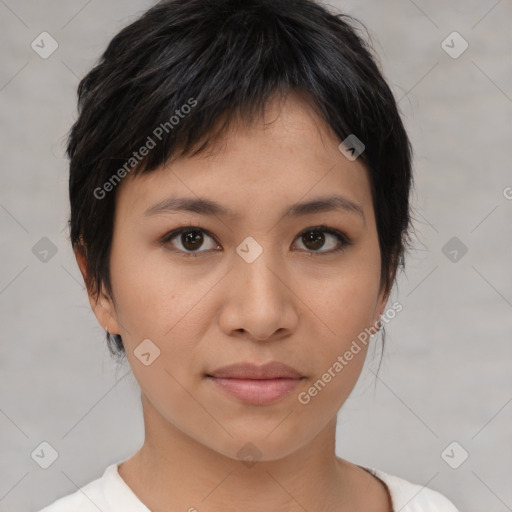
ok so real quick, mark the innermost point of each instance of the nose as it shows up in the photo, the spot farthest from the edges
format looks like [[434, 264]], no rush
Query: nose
[[258, 301]]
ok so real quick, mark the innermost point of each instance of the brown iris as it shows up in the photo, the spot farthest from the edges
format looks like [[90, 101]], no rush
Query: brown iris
[[192, 239], [315, 237]]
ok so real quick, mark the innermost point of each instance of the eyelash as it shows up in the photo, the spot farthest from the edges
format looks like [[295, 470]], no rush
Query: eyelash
[[343, 239]]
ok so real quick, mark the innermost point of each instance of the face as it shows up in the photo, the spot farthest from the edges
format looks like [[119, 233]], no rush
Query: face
[[249, 284]]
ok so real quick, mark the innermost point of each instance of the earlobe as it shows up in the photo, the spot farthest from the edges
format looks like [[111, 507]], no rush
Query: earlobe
[[101, 304], [105, 313]]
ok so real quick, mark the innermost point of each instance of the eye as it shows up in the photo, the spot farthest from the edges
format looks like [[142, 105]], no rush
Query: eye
[[315, 237], [189, 239]]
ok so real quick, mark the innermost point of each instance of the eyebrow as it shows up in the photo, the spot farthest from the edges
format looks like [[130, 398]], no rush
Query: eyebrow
[[208, 207]]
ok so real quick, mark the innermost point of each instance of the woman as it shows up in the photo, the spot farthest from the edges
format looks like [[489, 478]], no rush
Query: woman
[[239, 188]]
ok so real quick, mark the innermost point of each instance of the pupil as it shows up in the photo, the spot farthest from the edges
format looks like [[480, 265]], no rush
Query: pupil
[[192, 237], [317, 241]]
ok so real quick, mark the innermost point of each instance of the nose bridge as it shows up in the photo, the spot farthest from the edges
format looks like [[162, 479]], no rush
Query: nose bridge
[[256, 270]]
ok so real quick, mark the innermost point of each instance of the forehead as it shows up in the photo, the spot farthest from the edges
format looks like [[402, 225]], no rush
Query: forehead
[[288, 155]]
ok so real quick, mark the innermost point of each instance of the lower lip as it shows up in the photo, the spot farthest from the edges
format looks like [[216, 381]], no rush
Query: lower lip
[[257, 392]]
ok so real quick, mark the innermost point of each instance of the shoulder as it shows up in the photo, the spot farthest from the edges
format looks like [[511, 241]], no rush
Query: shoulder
[[410, 497], [89, 498]]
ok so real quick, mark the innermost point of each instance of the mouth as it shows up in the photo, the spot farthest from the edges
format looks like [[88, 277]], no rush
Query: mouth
[[256, 391], [256, 385]]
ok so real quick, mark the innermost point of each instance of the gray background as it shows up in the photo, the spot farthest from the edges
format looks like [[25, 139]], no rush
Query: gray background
[[446, 374]]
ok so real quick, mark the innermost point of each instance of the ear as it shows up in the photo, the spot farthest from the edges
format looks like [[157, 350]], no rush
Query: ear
[[101, 304]]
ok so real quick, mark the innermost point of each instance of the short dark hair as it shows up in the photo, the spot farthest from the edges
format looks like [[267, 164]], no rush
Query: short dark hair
[[226, 59]]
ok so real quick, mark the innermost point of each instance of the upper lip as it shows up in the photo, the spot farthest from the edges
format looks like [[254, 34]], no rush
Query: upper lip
[[272, 370]]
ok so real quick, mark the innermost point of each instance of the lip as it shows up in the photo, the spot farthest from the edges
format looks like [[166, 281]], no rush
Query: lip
[[256, 385], [272, 370], [257, 391]]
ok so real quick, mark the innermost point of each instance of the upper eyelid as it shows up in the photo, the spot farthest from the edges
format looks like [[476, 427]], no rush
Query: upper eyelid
[[178, 231]]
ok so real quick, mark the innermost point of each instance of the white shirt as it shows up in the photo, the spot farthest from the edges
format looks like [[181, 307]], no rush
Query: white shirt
[[111, 493]]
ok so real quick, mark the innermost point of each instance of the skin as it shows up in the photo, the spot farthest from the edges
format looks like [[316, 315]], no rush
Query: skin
[[291, 304]]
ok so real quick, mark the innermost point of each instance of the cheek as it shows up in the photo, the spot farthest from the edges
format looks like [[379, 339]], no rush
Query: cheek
[[156, 301], [171, 306], [345, 316], [344, 311], [346, 299], [155, 296]]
